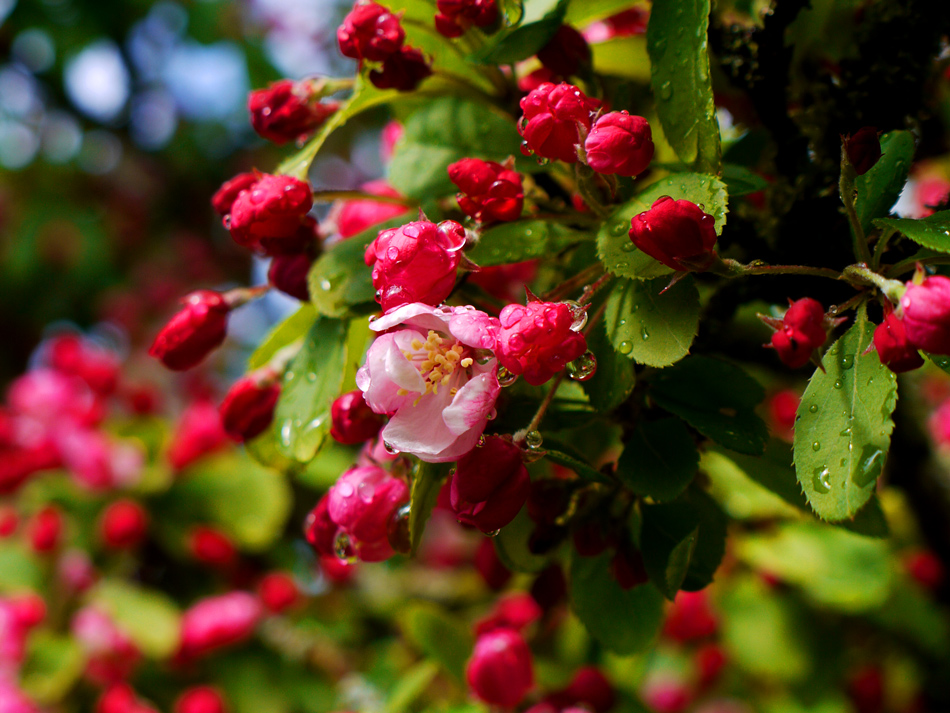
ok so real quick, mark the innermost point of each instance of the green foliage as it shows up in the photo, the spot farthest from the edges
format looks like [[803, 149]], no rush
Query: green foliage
[[623, 621], [540, 22], [426, 483], [522, 240], [440, 635], [147, 616], [659, 460], [652, 323], [19, 568], [340, 282], [682, 87], [616, 375], [844, 429], [511, 544], [285, 333], [931, 232], [879, 188], [53, 665], [717, 399], [577, 464], [622, 57]]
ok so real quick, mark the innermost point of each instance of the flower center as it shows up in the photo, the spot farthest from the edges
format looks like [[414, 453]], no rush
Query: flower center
[[440, 361]]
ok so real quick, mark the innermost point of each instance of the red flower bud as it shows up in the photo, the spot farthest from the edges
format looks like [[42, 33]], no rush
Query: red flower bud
[[566, 53], [123, 524], [336, 570], [926, 568], [489, 191], [121, 698], [320, 530], [302, 241], [415, 263], [287, 110], [8, 519], [619, 143], [677, 233], [45, 530], [199, 432], [893, 348], [925, 313], [802, 332], [492, 569], [490, 485], [589, 688], [403, 70], [623, 24], [218, 621], [353, 420], [537, 340], [288, 273], [355, 216], [272, 209], [506, 282], [28, 609], [225, 196], [370, 31], [211, 546], [72, 355], [500, 670], [278, 591], [194, 332], [455, 16], [200, 699], [710, 660], [552, 114], [863, 149], [783, 406], [248, 408], [515, 611], [362, 503], [690, 617]]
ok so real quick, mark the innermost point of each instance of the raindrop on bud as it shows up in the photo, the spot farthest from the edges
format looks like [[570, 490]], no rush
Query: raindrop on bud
[[533, 439], [397, 532], [579, 313], [343, 548], [389, 448], [583, 368], [505, 377]]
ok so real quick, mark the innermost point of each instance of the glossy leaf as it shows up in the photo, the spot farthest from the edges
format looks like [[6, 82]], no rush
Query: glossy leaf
[[291, 329], [931, 232], [682, 87], [583, 12], [879, 188], [522, 240], [623, 621], [652, 326], [511, 544], [622, 57], [426, 483], [148, 617], [340, 281], [540, 22], [842, 437], [741, 181], [53, 664], [717, 399], [440, 636], [613, 241], [615, 377], [659, 460]]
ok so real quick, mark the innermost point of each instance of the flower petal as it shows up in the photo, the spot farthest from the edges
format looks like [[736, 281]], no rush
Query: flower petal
[[472, 404]]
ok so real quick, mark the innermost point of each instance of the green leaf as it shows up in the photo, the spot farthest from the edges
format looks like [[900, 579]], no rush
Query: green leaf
[[833, 568], [622, 57], [741, 181], [53, 664], [443, 131], [624, 621], [522, 240], [773, 470], [613, 241], [912, 613], [844, 429], [511, 545], [583, 12], [288, 331], [148, 617], [879, 188], [717, 399], [870, 521], [763, 632], [426, 484], [931, 232], [649, 327], [683, 542], [440, 636], [340, 280], [615, 377], [19, 568], [741, 497], [659, 460], [682, 88], [540, 22], [313, 380], [411, 685], [583, 469]]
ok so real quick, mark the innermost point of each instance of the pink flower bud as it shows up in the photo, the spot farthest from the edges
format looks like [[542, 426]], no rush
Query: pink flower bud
[[121, 698], [515, 611], [272, 209], [355, 216], [402, 71], [287, 110], [489, 191], [782, 407], [225, 196], [500, 671], [353, 420], [278, 591], [455, 16], [677, 233], [490, 485], [76, 571], [863, 149], [336, 570], [211, 546], [709, 660], [619, 143], [123, 525], [248, 408], [45, 529], [370, 31], [925, 568], [802, 332], [893, 348], [589, 688], [490, 567], [566, 53], [939, 425], [391, 133], [319, 529], [13, 700], [664, 693], [288, 273], [199, 432], [362, 503], [193, 333], [200, 699], [537, 340], [690, 617], [415, 263], [552, 114], [218, 621], [925, 313], [29, 609]]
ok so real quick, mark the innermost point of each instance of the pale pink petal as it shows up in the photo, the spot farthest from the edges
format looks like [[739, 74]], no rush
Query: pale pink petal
[[418, 428], [474, 328], [472, 404], [385, 372], [422, 315]]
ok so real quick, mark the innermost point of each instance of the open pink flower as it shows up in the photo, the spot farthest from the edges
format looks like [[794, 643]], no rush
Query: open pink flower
[[436, 374]]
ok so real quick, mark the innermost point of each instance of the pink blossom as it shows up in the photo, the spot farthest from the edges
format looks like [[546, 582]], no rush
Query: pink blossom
[[436, 374], [13, 700], [361, 504]]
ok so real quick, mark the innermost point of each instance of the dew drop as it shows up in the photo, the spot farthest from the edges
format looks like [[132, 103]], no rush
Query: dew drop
[[389, 448], [311, 376], [397, 530], [366, 491], [813, 408], [838, 383], [579, 314], [584, 367], [628, 247], [666, 90], [505, 377], [623, 265], [868, 466], [816, 446], [325, 285], [845, 433], [533, 439], [287, 433], [620, 228], [494, 533], [822, 480], [343, 548], [847, 361], [625, 347]]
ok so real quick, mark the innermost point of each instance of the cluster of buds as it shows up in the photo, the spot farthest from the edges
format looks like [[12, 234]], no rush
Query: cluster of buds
[[802, 331], [455, 16], [370, 32], [556, 119], [288, 111], [490, 192]]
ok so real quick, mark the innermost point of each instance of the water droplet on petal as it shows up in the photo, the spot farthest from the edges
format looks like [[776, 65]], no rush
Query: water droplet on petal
[[505, 377], [397, 531], [343, 548], [584, 367], [389, 448]]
